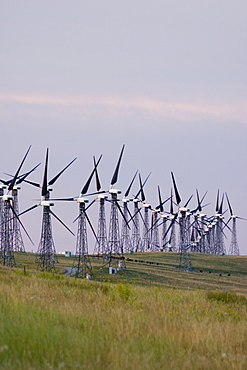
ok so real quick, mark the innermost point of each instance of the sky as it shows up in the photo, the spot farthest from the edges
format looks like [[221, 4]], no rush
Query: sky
[[167, 79]]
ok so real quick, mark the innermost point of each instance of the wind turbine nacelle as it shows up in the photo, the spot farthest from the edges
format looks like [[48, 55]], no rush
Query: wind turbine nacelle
[[233, 216], [114, 191], [102, 196], [46, 203], [163, 216], [125, 200], [3, 186], [183, 209], [7, 197], [82, 200], [145, 205], [49, 188], [16, 188], [136, 200]]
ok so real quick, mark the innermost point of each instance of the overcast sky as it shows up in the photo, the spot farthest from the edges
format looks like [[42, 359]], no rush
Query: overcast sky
[[168, 79]]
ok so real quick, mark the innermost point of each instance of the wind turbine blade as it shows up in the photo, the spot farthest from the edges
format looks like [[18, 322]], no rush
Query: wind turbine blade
[[63, 199], [158, 207], [32, 183], [17, 217], [151, 228], [54, 215], [217, 202], [143, 185], [115, 175], [178, 199], [98, 185], [91, 226], [60, 173], [171, 224], [141, 188], [133, 217], [204, 196], [229, 205], [96, 193], [119, 208], [199, 208], [188, 201], [86, 186], [171, 204], [44, 185], [153, 224], [241, 218], [226, 225], [12, 184], [29, 209], [160, 200], [76, 218], [24, 176], [192, 237], [5, 182], [221, 204], [130, 185], [90, 204]]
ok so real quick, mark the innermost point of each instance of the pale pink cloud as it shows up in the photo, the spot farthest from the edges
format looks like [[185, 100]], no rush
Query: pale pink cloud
[[113, 106]]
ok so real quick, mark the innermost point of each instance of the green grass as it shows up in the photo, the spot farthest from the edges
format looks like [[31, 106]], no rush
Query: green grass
[[67, 323], [148, 316], [208, 271]]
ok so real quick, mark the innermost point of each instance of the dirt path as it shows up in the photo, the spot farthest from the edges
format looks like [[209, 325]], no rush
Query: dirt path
[[69, 271]]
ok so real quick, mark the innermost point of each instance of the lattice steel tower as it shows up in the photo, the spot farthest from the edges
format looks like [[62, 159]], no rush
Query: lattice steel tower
[[155, 242], [164, 245], [7, 250], [234, 249], [126, 245], [184, 261], [114, 243], [18, 244], [2, 187], [101, 245], [7, 217], [46, 253], [82, 264], [136, 236], [146, 241]]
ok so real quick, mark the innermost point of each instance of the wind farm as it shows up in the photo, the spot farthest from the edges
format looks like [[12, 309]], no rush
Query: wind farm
[[185, 228], [123, 185]]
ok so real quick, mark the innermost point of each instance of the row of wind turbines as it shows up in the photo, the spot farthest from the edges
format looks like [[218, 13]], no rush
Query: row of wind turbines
[[144, 229]]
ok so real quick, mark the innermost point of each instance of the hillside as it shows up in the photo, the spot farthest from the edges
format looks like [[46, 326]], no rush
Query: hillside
[[160, 269]]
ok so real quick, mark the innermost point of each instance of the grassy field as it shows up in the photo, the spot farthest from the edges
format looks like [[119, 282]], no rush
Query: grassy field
[[227, 273], [148, 316]]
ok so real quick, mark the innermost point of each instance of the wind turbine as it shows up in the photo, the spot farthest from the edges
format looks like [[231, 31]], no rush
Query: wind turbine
[[82, 265], [18, 244], [46, 250], [114, 241], [126, 243], [184, 261], [8, 215], [234, 248]]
